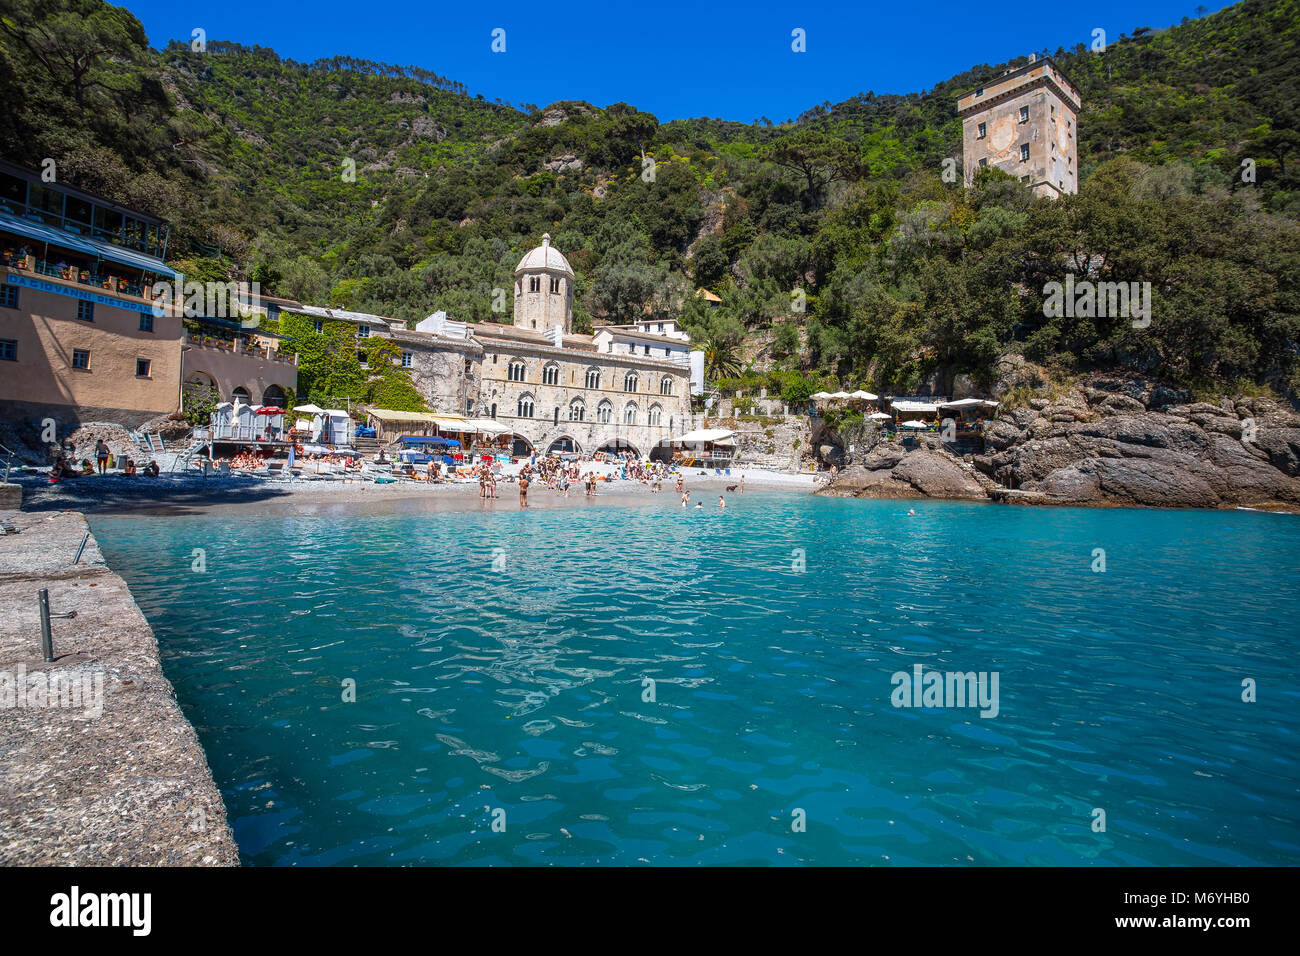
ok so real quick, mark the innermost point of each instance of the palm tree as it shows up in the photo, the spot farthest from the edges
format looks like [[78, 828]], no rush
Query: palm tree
[[721, 356]]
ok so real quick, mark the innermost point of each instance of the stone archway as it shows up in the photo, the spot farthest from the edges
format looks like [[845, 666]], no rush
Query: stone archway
[[520, 447], [564, 443], [617, 446], [274, 397]]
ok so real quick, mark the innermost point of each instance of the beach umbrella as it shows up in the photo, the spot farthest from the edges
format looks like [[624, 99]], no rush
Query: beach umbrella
[[865, 396], [820, 395], [309, 409], [267, 410], [880, 416], [914, 423], [840, 395]]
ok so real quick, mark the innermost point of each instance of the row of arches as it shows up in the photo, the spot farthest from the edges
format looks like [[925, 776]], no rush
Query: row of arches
[[272, 395], [567, 443], [517, 370]]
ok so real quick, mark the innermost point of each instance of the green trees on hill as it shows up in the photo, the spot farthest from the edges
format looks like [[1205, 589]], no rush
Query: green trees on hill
[[389, 190]]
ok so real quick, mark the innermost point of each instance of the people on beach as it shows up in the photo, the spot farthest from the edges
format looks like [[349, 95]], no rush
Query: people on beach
[[151, 469], [101, 455], [129, 469], [86, 467], [523, 491]]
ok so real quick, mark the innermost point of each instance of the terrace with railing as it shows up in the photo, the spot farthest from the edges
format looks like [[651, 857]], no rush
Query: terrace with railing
[[73, 272], [238, 347]]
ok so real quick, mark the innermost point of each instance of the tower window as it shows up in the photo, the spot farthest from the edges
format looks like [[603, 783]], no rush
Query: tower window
[[593, 378], [525, 406], [1024, 152], [551, 375], [555, 286], [983, 131], [515, 373], [1024, 114], [534, 283]]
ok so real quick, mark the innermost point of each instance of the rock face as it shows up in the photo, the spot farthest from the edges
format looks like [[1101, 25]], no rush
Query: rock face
[[890, 471], [1111, 441]]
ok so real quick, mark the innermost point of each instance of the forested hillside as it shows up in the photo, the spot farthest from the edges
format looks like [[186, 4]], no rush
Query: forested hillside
[[902, 276]]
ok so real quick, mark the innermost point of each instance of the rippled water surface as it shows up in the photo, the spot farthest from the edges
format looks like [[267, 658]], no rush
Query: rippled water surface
[[514, 680]]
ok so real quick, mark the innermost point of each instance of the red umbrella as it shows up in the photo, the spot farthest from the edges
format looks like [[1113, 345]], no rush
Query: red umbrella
[[266, 410]]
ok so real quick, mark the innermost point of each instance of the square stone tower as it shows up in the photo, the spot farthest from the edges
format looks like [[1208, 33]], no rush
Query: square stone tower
[[1026, 122], [544, 290]]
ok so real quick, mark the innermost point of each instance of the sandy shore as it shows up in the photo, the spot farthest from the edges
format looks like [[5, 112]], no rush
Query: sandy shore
[[172, 494]]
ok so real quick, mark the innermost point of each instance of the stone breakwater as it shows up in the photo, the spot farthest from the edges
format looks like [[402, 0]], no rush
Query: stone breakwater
[[1107, 442], [98, 766]]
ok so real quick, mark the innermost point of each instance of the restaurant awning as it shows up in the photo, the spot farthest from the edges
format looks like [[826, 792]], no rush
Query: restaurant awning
[[486, 426], [925, 408], [706, 434], [393, 415], [43, 233]]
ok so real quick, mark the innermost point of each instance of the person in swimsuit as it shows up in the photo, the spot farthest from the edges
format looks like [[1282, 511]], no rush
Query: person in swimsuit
[[523, 491]]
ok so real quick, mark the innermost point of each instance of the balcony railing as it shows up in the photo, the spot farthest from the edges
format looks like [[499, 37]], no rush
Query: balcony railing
[[110, 283], [235, 348]]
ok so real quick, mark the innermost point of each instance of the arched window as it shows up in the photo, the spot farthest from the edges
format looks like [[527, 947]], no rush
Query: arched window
[[593, 378], [515, 372], [494, 409], [577, 410], [273, 396], [655, 413], [629, 382], [665, 386], [240, 395], [525, 407], [551, 374], [629, 413], [604, 412]]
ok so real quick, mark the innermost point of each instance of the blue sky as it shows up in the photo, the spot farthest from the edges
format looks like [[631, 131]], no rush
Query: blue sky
[[673, 59]]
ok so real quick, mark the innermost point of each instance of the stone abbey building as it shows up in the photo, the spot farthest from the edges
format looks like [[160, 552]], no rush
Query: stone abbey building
[[624, 387], [1025, 123]]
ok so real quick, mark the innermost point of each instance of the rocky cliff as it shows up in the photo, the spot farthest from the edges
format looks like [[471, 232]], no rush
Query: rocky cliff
[[1108, 441]]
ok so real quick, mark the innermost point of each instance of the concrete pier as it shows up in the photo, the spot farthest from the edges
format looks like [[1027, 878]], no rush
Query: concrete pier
[[98, 766]]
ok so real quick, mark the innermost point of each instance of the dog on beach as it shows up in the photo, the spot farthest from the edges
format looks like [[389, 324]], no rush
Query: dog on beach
[[732, 487]]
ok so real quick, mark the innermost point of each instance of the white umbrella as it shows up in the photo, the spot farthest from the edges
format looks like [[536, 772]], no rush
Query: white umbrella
[[914, 423], [309, 409], [865, 396], [840, 395], [820, 395], [880, 415]]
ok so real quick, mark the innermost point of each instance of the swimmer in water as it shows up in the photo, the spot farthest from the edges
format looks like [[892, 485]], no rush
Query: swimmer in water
[[699, 504], [721, 503], [910, 511]]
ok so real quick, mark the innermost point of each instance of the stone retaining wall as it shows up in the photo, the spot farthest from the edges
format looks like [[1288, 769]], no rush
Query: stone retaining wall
[[119, 778]]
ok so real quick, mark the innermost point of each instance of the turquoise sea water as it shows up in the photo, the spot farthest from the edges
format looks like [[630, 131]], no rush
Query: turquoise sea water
[[513, 680]]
